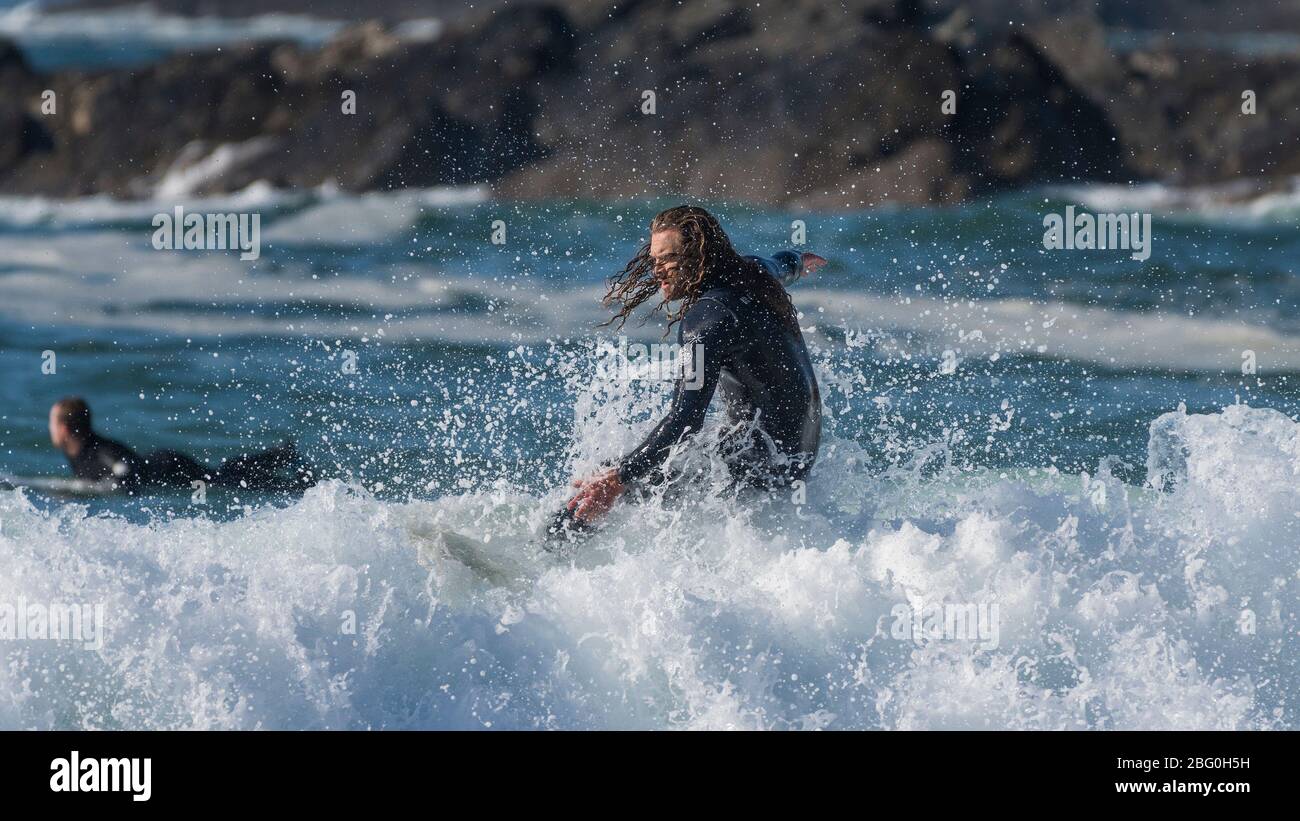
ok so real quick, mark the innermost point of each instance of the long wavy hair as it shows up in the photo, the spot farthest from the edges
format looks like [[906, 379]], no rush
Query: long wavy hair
[[707, 258]]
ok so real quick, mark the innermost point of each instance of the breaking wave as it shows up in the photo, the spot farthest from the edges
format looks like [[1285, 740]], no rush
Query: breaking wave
[[1117, 606]]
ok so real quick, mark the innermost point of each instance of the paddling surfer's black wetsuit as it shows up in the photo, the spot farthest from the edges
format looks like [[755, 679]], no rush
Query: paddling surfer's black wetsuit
[[757, 360], [102, 458]]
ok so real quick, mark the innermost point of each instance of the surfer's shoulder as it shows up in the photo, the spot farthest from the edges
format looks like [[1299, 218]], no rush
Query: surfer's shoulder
[[110, 447], [101, 458], [718, 303]]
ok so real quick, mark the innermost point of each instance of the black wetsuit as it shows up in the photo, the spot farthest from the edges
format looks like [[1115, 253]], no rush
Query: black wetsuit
[[757, 361], [102, 458]]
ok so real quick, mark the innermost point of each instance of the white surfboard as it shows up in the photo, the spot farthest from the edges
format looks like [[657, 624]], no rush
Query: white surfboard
[[59, 485], [495, 564]]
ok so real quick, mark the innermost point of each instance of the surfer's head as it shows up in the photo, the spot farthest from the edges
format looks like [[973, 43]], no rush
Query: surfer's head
[[687, 245], [69, 422], [688, 252]]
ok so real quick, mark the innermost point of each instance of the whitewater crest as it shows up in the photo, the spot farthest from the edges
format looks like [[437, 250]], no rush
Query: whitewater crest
[[1118, 607]]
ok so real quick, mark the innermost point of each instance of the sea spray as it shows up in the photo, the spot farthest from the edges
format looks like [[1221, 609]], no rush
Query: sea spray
[[719, 610]]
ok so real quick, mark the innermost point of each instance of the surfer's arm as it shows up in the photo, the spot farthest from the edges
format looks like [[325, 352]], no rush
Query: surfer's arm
[[706, 334], [105, 459], [789, 266]]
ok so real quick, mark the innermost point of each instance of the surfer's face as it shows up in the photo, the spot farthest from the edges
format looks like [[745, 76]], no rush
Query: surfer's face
[[665, 248], [58, 430]]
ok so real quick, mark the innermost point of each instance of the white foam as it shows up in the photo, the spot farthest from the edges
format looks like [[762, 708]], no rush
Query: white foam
[[718, 613], [991, 327], [52, 272], [103, 211], [419, 30], [189, 172], [367, 218], [31, 24], [1244, 201]]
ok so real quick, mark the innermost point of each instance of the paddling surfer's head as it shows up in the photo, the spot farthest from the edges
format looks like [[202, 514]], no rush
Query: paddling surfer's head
[[69, 423], [688, 253]]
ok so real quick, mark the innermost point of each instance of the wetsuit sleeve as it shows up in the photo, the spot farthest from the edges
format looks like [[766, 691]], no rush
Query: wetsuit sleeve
[[784, 265], [105, 459], [707, 334]]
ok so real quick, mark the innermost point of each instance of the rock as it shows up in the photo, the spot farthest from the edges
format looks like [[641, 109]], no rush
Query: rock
[[805, 102]]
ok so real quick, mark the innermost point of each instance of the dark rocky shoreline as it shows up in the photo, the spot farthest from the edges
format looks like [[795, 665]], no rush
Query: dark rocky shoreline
[[798, 103]]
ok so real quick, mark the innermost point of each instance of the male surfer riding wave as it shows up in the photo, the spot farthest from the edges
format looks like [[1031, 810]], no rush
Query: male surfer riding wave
[[734, 311], [97, 458]]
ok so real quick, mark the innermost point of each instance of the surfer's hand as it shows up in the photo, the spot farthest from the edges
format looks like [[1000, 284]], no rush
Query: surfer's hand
[[810, 263], [595, 495]]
